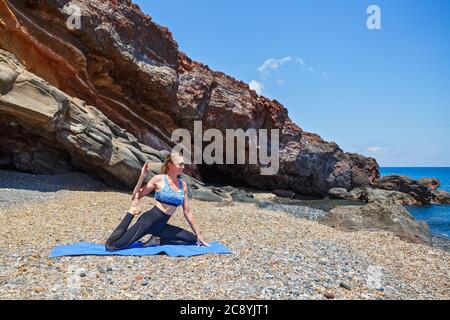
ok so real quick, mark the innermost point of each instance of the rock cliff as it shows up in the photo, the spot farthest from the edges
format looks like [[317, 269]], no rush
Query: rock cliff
[[107, 96]]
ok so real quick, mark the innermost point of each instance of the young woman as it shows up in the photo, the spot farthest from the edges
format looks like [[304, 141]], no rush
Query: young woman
[[170, 193]]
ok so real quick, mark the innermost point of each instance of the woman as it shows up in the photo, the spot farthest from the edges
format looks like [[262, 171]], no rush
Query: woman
[[170, 193]]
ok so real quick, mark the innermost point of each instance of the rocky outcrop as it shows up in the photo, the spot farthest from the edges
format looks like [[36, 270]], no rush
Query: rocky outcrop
[[431, 183], [379, 217], [370, 195], [284, 193], [390, 197], [338, 193], [46, 131], [441, 196], [357, 194], [129, 70], [419, 190]]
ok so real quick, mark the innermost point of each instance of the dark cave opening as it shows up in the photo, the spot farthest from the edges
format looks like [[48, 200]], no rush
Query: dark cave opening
[[214, 176]]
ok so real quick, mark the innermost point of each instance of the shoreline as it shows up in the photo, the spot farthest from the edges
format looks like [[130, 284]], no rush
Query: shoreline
[[326, 205]]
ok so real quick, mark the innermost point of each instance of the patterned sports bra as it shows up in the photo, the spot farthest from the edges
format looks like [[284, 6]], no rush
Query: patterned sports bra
[[168, 196]]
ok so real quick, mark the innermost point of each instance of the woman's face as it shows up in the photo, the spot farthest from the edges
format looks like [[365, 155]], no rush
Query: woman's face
[[178, 164]]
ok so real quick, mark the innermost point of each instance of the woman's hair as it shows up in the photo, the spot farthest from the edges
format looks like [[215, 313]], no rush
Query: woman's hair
[[167, 160], [165, 165]]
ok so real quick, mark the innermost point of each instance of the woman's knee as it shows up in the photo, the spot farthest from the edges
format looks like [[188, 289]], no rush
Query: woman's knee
[[188, 236]]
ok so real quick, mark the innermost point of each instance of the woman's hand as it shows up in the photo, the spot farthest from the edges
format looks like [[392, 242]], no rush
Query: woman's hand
[[201, 242], [135, 198], [144, 170]]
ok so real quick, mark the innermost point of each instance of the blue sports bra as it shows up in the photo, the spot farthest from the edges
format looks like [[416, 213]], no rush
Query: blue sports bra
[[168, 196]]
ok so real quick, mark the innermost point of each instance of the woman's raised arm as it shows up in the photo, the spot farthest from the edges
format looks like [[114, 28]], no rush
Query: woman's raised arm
[[144, 173], [147, 188]]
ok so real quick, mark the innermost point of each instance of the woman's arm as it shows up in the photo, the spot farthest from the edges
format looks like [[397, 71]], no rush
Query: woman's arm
[[138, 186], [190, 218], [147, 188]]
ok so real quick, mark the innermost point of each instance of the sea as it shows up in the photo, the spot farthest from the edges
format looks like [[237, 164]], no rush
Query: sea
[[436, 215]]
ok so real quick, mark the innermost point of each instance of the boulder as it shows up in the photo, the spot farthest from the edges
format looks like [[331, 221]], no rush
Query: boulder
[[376, 217], [417, 190], [337, 193], [283, 193], [431, 183], [441, 196], [357, 194], [390, 197]]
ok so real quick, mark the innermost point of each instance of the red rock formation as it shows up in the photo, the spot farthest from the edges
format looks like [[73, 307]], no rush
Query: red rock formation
[[130, 68]]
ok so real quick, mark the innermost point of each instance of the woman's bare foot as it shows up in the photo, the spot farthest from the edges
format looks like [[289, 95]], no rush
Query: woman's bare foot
[[152, 242], [134, 210]]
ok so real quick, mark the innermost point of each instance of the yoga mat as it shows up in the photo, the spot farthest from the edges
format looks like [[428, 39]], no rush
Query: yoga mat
[[86, 249]]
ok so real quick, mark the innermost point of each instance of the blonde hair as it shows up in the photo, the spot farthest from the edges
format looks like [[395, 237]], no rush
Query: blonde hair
[[167, 160]]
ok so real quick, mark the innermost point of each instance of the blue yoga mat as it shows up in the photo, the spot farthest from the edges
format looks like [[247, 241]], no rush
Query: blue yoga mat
[[86, 249]]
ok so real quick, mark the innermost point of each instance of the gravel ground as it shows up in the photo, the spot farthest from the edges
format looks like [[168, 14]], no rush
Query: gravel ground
[[17, 188], [298, 211], [276, 255]]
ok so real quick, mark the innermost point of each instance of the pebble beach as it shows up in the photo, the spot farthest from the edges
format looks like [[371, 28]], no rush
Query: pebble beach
[[276, 255]]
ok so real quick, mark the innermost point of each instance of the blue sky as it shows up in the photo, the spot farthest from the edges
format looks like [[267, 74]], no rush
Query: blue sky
[[382, 93]]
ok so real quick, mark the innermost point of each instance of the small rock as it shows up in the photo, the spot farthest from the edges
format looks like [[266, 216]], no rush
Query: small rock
[[345, 286], [22, 269], [139, 277], [284, 193], [337, 193], [329, 295], [13, 282]]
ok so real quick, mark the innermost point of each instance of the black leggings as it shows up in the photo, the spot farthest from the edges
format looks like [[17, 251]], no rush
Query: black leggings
[[152, 222]]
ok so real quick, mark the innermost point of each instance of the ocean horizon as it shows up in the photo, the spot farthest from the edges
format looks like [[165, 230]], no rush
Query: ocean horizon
[[436, 215]]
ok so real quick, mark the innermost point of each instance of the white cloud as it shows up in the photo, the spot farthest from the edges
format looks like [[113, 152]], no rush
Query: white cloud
[[376, 149], [258, 87], [272, 65]]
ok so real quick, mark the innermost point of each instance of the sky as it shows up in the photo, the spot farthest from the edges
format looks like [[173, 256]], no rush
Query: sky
[[383, 92]]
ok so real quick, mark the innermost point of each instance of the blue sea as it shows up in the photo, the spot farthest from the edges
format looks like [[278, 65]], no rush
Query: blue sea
[[437, 215]]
